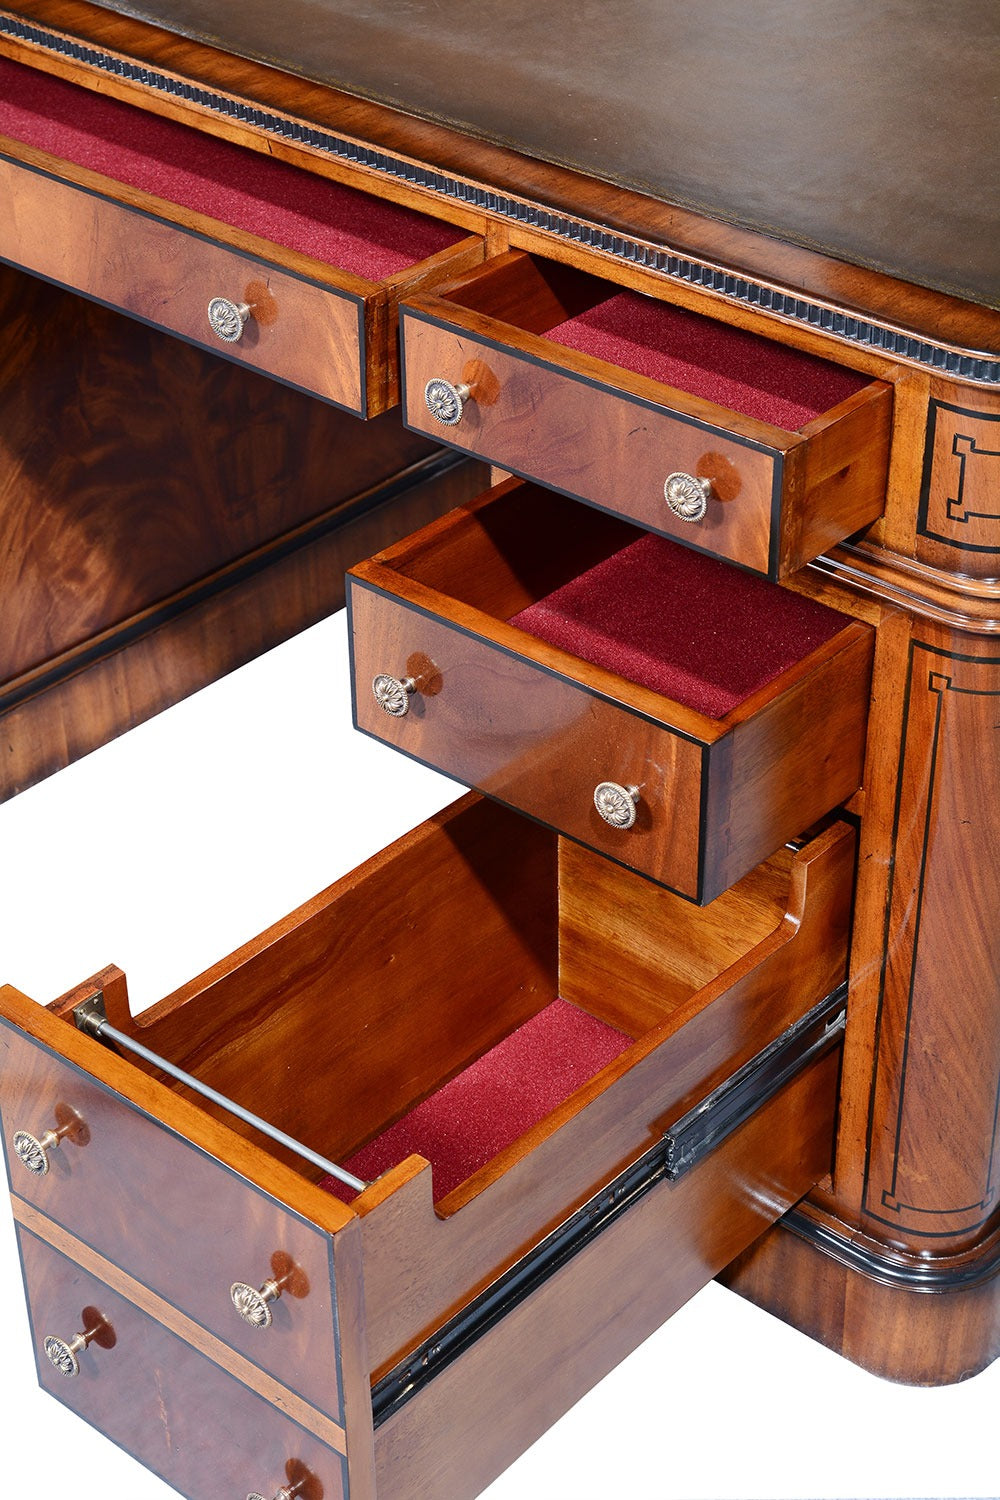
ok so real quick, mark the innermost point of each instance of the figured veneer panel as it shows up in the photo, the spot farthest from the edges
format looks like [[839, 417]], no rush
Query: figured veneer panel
[[195, 1425], [540, 728], [133, 466], [182, 1223], [602, 396]]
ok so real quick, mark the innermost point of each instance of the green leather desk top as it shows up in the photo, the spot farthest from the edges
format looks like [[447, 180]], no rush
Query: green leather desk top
[[866, 129]]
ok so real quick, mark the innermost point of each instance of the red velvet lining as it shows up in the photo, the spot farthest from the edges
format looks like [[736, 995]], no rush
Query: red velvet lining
[[680, 623], [735, 369], [250, 191], [494, 1101]]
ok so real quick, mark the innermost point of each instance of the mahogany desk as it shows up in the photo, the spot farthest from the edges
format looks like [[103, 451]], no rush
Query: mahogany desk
[[894, 1260]]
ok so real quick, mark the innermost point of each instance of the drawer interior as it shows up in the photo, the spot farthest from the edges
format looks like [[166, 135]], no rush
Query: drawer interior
[[396, 1052], [678, 622], [732, 368], [393, 987], [248, 190]]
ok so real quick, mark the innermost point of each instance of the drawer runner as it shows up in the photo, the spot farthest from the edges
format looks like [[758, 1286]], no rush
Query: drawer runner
[[683, 1145]]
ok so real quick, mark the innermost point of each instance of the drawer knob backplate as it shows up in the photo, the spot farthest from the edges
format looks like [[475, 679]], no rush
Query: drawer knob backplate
[[446, 402], [301, 1485], [392, 694], [33, 1151], [617, 804], [686, 496], [62, 1353], [226, 319]]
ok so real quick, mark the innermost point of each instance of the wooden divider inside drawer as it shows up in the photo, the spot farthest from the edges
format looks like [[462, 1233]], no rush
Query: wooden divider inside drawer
[[607, 395], [716, 780], [158, 220], [362, 1011], [198, 1426]]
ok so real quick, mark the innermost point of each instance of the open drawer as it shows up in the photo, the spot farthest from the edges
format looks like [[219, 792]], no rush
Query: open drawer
[[292, 274], [680, 716], [668, 1099], [717, 437]]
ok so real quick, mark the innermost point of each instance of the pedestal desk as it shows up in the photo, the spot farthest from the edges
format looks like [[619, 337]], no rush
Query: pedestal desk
[[706, 982]]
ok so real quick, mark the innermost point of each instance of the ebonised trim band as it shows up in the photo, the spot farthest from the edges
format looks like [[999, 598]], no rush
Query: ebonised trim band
[[947, 1274], [736, 1099], [896, 343]]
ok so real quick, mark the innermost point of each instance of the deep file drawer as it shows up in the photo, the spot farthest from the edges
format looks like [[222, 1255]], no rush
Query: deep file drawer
[[344, 1027]]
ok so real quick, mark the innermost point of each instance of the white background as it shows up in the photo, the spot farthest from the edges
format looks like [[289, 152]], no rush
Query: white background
[[164, 851]]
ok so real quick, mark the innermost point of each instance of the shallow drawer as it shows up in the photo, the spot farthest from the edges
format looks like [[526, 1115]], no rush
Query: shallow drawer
[[199, 1427], [720, 438], [466, 1026], [159, 220], [679, 716]]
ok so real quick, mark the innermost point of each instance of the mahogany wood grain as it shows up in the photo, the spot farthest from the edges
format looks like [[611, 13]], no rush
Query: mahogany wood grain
[[132, 465], [503, 1393], [164, 516], [422, 1260], [611, 437], [669, 948], [884, 1321], [221, 1354], [539, 729], [354, 994], [806, 271], [180, 1222], [191, 1422], [321, 330]]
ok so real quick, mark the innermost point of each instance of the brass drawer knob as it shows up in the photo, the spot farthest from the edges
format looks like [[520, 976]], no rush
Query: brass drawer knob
[[616, 804], [62, 1354], [254, 1306], [33, 1151], [686, 496], [227, 319], [446, 402], [392, 694]]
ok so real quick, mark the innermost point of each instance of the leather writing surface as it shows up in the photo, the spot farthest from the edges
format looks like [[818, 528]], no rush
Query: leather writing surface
[[865, 128]]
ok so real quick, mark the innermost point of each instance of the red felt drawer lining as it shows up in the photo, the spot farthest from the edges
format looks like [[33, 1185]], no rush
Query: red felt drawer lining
[[250, 191], [468, 1121], [682, 624], [733, 368]]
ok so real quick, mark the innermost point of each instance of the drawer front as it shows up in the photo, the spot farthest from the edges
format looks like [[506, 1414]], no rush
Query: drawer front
[[530, 738], [198, 1427], [311, 335], [595, 443], [173, 1217]]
